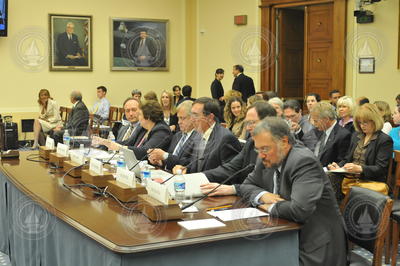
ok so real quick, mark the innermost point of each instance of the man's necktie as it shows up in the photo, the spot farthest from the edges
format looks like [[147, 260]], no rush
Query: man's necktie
[[180, 144], [322, 143], [128, 133], [278, 181], [202, 147]]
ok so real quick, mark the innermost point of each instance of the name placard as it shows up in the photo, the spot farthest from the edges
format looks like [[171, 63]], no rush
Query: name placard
[[158, 192], [62, 149], [50, 143], [96, 166], [125, 176], [77, 158]]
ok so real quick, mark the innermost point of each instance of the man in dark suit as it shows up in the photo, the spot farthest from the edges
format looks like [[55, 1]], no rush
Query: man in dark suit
[[144, 50], [78, 119], [242, 83], [289, 183], [68, 49], [129, 133], [247, 156], [334, 140], [187, 94], [217, 146], [217, 90], [182, 143]]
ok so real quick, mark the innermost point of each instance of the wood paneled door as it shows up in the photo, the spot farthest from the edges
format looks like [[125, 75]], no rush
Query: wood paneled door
[[309, 54]]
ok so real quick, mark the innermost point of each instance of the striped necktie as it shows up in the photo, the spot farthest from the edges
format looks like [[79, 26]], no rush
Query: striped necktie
[[180, 144]]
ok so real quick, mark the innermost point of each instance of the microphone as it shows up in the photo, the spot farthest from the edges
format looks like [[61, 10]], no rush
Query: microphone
[[169, 178], [222, 183], [147, 154]]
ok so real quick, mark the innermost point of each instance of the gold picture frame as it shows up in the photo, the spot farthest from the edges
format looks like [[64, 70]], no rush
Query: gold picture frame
[[139, 44], [70, 42]]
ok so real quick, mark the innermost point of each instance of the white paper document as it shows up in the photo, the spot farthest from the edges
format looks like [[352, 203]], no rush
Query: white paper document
[[193, 182], [237, 214], [191, 209], [201, 224], [339, 170]]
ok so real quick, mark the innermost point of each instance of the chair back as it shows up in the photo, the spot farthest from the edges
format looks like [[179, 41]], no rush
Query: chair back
[[396, 181], [113, 115], [366, 215]]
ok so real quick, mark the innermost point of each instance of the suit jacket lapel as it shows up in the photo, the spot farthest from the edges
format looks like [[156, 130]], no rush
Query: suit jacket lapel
[[268, 180], [329, 141]]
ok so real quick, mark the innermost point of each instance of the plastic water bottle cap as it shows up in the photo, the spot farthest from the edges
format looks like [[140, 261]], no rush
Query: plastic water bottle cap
[[179, 171]]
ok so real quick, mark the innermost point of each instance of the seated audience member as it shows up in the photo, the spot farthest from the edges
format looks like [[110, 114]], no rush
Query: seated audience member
[[255, 113], [278, 105], [362, 100], [156, 135], [369, 153], [182, 143], [137, 94], [169, 112], [234, 114], [384, 110], [217, 90], [101, 107], [150, 96], [311, 100], [177, 94], [232, 93], [345, 110], [254, 98], [334, 140], [78, 119], [398, 99], [187, 94], [217, 145], [49, 116], [299, 125], [264, 95], [395, 132], [289, 183], [334, 96]]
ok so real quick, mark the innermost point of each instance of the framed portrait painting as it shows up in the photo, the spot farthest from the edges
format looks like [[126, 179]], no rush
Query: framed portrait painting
[[139, 44], [70, 42]]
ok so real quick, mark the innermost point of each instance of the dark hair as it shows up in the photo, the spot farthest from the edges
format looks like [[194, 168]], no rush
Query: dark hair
[[104, 89], [264, 95], [239, 68], [150, 96], [363, 100], [187, 91], [136, 91], [277, 127], [316, 95], [176, 86], [332, 92], [292, 104], [130, 99], [263, 109], [398, 97], [270, 94], [219, 71], [211, 106], [152, 111]]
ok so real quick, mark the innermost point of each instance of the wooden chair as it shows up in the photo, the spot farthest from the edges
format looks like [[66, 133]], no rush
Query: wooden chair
[[372, 209], [395, 217], [113, 116], [121, 113], [64, 112]]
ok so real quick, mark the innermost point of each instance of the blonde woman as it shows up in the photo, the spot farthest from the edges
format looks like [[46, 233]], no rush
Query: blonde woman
[[234, 114], [384, 110], [345, 108], [369, 153], [49, 116], [169, 111]]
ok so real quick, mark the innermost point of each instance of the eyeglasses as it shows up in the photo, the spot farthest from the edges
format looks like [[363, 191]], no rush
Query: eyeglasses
[[263, 150]]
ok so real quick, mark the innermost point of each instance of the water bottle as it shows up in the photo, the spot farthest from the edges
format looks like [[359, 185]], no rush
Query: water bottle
[[121, 162], [66, 138], [145, 171], [111, 136], [82, 148], [179, 186]]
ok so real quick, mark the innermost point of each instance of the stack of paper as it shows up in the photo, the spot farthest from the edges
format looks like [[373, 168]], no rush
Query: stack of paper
[[237, 214], [201, 224]]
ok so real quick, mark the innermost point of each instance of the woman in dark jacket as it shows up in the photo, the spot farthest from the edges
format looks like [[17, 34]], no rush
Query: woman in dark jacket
[[370, 150]]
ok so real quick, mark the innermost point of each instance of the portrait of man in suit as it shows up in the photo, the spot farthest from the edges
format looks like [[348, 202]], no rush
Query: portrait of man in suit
[[139, 44], [70, 42]]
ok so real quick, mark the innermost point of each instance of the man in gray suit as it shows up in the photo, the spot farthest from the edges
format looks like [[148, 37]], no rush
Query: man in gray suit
[[129, 133], [289, 183]]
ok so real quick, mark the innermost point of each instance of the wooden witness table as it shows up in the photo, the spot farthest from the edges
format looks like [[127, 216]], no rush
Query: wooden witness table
[[43, 223]]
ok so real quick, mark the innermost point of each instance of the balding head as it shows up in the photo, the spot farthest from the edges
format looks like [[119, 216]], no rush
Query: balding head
[[76, 96]]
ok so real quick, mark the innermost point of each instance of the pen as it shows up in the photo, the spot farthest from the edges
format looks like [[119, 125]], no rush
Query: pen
[[220, 208]]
